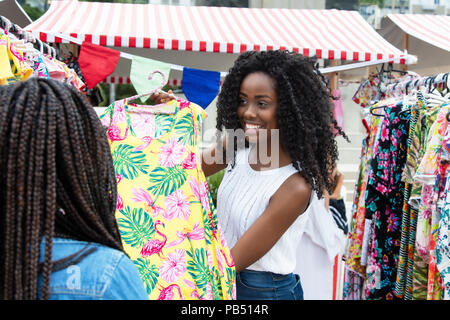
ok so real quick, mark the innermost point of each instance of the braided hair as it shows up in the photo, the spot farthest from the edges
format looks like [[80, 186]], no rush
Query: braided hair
[[56, 179], [304, 113]]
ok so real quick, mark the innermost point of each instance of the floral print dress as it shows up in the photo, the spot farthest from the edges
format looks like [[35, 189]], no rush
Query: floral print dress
[[443, 234], [433, 173], [408, 272], [417, 258], [165, 213], [384, 203], [13, 66], [355, 263]]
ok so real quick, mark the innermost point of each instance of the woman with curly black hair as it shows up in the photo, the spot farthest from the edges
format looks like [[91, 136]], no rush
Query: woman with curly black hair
[[281, 104]]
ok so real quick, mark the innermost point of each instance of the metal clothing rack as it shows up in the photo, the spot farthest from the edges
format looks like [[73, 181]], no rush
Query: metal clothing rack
[[426, 85], [440, 81]]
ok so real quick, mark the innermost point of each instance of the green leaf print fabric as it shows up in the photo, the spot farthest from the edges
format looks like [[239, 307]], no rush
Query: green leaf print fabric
[[165, 213]]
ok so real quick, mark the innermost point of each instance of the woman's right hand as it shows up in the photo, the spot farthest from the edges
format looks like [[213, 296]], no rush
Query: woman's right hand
[[162, 97]]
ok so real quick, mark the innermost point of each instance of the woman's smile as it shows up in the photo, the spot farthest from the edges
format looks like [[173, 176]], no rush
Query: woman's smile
[[250, 128]]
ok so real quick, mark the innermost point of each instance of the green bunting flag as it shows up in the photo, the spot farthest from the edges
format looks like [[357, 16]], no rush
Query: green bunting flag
[[142, 68]]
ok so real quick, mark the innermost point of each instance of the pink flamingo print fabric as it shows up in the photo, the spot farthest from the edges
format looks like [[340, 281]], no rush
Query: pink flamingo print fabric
[[165, 212]]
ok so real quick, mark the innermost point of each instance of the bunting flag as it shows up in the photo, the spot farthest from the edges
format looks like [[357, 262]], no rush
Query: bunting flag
[[96, 62], [142, 68], [200, 86]]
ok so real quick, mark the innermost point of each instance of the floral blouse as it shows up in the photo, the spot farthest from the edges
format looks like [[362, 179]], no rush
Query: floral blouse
[[443, 234], [165, 213], [384, 199], [13, 66], [355, 257], [406, 206]]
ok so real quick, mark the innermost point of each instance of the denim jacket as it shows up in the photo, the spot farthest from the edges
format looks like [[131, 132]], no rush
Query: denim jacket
[[104, 274]]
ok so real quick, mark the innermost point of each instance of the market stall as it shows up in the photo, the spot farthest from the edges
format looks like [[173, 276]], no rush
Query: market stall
[[401, 200], [423, 35], [211, 37]]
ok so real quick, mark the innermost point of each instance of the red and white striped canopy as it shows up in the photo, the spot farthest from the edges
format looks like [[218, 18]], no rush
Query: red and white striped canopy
[[433, 29], [329, 34]]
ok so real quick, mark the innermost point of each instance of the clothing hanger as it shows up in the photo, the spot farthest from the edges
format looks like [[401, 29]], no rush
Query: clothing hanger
[[5, 23], [391, 69], [407, 86], [382, 105], [41, 46], [159, 108], [434, 99], [447, 96], [436, 94], [158, 89], [53, 50], [14, 29], [445, 85], [382, 75], [26, 48], [409, 100], [377, 114], [50, 50]]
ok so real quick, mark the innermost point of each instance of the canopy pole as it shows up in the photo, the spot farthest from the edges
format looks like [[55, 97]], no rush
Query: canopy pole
[[405, 48], [112, 93], [334, 76], [372, 70], [73, 47]]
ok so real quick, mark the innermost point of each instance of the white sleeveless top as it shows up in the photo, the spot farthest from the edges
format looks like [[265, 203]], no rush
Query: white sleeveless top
[[243, 196]]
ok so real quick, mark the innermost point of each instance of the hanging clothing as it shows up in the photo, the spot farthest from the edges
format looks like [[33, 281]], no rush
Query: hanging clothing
[[338, 111], [436, 284], [165, 213], [368, 91], [419, 254], [413, 260], [337, 209], [443, 237], [384, 200], [12, 63], [403, 286], [355, 257], [320, 241], [38, 65], [54, 68], [352, 286], [19, 61]]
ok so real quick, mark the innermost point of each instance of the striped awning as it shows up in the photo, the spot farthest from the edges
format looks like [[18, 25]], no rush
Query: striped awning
[[433, 29], [328, 34]]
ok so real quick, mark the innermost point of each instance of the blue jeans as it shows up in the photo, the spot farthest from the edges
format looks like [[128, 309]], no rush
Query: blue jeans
[[259, 285]]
